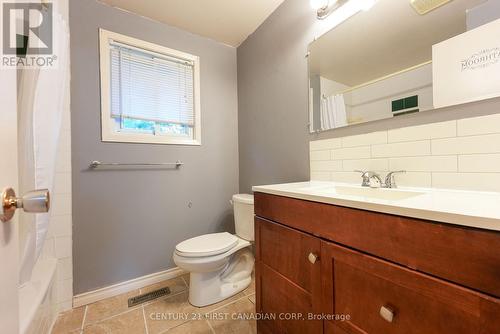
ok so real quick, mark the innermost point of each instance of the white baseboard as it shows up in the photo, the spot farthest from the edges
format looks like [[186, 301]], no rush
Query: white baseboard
[[123, 287]]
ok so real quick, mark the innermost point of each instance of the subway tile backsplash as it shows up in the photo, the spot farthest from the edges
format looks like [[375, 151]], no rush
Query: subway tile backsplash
[[467, 145], [379, 137], [421, 132], [406, 149], [478, 125], [462, 154], [351, 153]]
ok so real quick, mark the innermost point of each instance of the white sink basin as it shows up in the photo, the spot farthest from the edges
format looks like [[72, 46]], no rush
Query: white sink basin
[[375, 193]]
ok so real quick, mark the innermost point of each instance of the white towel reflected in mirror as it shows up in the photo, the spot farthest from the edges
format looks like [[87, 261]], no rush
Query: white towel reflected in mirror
[[333, 112]]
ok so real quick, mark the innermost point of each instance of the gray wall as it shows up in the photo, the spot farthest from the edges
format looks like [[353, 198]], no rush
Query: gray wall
[[273, 100], [483, 14], [127, 223]]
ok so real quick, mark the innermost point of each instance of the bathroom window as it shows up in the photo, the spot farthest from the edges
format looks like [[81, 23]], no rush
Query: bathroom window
[[149, 93]]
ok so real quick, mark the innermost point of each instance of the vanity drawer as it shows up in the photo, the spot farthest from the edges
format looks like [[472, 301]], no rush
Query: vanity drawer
[[287, 282], [454, 253], [362, 287], [287, 251]]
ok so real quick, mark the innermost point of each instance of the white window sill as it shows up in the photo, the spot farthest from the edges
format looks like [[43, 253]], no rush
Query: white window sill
[[149, 139]]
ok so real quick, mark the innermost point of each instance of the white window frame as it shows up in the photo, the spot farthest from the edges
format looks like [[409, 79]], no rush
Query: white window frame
[[108, 126]]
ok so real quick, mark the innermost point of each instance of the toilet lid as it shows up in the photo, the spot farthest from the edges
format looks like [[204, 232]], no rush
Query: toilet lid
[[207, 245]]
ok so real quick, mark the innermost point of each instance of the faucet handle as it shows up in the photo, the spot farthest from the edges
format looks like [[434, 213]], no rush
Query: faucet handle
[[364, 173], [370, 179], [390, 182], [366, 177]]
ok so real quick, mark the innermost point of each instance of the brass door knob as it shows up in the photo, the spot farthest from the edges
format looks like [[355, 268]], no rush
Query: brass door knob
[[312, 258], [387, 313], [35, 201]]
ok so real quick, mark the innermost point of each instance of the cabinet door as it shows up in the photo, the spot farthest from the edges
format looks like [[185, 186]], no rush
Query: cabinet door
[[288, 281], [381, 297]]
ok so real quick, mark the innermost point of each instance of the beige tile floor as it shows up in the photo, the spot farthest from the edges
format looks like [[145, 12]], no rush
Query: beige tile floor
[[171, 314]]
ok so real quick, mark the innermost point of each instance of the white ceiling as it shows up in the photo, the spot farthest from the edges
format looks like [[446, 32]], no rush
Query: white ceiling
[[388, 38], [226, 21]]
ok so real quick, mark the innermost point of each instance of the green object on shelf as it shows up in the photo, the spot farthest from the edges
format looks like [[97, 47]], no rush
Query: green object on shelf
[[398, 105], [403, 104], [411, 102]]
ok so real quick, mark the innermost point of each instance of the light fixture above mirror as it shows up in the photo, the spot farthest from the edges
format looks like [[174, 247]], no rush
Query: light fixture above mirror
[[326, 7]]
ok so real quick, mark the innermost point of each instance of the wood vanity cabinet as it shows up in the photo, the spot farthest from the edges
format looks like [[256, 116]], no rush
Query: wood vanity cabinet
[[387, 274]]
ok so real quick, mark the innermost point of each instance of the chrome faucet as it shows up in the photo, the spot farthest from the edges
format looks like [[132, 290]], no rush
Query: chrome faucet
[[373, 180], [370, 179], [390, 181]]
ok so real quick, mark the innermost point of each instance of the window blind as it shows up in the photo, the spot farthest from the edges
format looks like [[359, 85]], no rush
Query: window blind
[[151, 87]]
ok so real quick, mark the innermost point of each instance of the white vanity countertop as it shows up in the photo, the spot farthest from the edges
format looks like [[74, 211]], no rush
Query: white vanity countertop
[[466, 208]]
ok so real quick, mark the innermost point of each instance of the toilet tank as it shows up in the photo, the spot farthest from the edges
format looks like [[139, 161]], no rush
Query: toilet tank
[[243, 216]]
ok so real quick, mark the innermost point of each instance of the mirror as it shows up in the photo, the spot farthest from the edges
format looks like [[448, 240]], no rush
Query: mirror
[[378, 63]]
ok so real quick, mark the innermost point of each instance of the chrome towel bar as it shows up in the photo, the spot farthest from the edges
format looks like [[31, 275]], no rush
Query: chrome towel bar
[[95, 164]]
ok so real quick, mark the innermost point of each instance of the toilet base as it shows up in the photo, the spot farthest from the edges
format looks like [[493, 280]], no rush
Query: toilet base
[[213, 287]]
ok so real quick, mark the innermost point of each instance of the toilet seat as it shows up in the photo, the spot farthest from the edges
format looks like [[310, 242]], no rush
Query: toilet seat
[[207, 245]]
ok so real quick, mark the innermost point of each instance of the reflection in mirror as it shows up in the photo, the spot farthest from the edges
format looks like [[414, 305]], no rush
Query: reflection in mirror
[[378, 64]]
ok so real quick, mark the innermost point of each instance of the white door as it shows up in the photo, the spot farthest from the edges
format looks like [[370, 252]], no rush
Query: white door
[[9, 304]]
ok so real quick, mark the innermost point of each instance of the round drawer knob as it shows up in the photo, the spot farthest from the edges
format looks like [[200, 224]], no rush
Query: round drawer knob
[[387, 313], [313, 258]]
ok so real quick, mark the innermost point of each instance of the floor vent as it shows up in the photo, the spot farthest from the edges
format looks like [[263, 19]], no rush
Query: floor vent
[[146, 297]]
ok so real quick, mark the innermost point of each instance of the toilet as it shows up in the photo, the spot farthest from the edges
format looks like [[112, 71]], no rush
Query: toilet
[[220, 264]]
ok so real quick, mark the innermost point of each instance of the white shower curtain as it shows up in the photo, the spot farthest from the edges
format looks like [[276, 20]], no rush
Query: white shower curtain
[[27, 233], [333, 112], [42, 94]]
